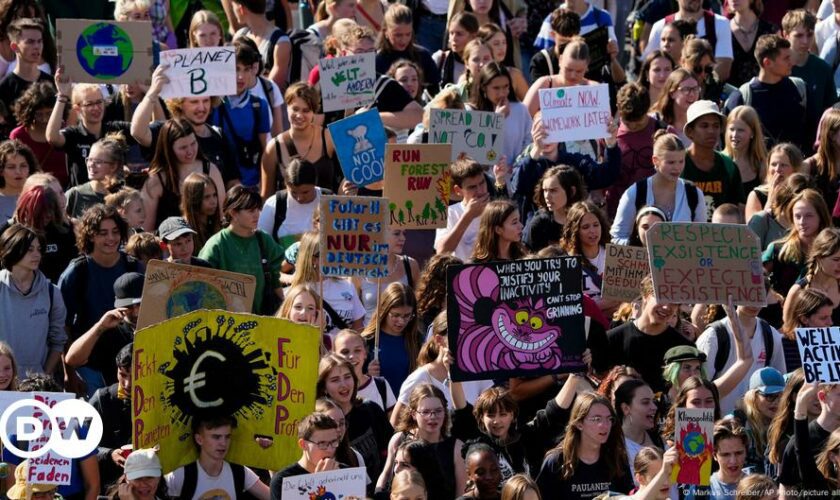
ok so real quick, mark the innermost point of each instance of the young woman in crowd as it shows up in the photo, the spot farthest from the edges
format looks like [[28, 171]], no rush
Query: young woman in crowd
[[289, 213], [367, 425], [129, 204], [760, 404], [300, 305], [695, 392], [408, 485], [8, 368], [416, 456], [783, 160], [653, 473], [476, 55], [817, 467], [143, 478], [345, 454], [656, 68], [499, 233], [463, 27], [822, 271], [520, 487], [17, 162], [396, 42], [781, 427], [646, 217], [205, 30], [431, 288], [32, 111], [105, 170], [352, 346], [810, 308], [176, 157], [401, 269], [399, 335], [679, 200], [636, 409], [772, 224], [561, 187], [484, 477], [681, 90], [573, 65], [242, 248], [200, 207], [586, 234], [492, 91], [426, 418], [824, 165], [330, 11], [494, 36], [411, 77], [744, 144]]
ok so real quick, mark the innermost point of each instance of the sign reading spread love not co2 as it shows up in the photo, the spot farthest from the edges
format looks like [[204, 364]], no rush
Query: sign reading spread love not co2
[[576, 113]]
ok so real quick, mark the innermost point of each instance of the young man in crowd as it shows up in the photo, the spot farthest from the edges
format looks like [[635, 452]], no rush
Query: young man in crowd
[[26, 37], [469, 183], [318, 438], [113, 403], [565, 25], [176, 238]]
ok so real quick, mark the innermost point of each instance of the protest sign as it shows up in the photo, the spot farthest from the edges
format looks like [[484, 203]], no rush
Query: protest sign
[[96, 51], [700, 263], [576, 113], [516, 318], [693, 437], [360, 146], [204, 72], [333, 484], [418, 183], [478, 134], [347, 82], [49, 468], [208, 363], [819, 349], [353, 236], [170, 290], [624, 269]]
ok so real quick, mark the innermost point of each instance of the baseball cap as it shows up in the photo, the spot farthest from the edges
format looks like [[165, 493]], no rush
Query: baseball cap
[[142, 463], [172, 227], [768, 380], [683, 353], [699, 109], [128, 289]]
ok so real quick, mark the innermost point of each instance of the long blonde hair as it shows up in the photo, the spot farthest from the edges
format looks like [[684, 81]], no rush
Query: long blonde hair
[[306, 267], [825, 463], [759, 426], [792, 247], [757, 150], [826, 244], [285, 311], [827, 154]]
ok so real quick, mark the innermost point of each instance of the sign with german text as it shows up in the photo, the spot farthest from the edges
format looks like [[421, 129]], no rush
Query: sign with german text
[[694, 440], [477, 134], [347, 82], [200, 72], [418, 184], [353, 236], [576, 113], [333, 484], [624, 269]]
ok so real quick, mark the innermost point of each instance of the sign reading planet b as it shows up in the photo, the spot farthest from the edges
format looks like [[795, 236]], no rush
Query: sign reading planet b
[[105, 51]]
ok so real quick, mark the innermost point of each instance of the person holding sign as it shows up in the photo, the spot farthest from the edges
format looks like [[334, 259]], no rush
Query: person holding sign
[[810, 308], [653, 473], [585, 234], [677, 198], [817, 460], [318, 438], [823, 272]]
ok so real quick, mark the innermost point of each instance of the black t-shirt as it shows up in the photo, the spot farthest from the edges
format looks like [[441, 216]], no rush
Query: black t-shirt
[[780, 108], [276, 484], [431, 75], [541, 231], [789, 475], [540, 66], [77, 143], [630, 346], [393, 98], [213, 147], [13, 86], [104, 353], [369, 431], [588, 481]]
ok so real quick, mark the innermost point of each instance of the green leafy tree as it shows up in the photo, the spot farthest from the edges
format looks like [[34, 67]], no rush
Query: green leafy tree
[[409, 205]]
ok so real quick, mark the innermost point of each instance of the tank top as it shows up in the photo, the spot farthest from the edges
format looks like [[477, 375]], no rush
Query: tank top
[[169, 204], [329, 176]]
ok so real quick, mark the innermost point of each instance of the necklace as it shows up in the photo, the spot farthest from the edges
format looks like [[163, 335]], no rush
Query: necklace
[[744, 30], [311, 143]]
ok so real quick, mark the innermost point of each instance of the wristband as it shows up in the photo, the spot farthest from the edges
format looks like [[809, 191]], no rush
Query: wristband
[[63, 99]]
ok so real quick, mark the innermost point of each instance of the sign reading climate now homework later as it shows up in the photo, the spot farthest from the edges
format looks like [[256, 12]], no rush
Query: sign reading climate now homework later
[[576, 113]]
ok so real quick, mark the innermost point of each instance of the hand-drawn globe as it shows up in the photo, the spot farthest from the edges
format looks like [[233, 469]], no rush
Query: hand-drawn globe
[[104, 50], [694, 443], [192, 296]]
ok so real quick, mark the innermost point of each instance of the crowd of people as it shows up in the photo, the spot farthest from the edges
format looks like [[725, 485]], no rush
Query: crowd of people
[[726, 112]]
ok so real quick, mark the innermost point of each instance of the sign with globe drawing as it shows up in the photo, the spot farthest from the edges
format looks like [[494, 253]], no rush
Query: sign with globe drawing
[[96, 51], [171, 290]]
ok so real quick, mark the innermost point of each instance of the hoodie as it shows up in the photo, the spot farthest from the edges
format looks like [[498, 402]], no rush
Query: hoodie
[[32, 324]]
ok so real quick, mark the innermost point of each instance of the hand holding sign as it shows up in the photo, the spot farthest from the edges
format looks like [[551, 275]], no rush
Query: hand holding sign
[[804, 398], [159, 81], [581, 112]]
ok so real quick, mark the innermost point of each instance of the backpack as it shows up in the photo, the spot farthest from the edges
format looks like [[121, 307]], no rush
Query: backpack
[[280, 199], [272, 42], [725, 345], [382, 390], [547, 56], [306, 52], [746, 91], [265, 83], [131, 266], [191, 480], [690, 195], [248, 152], [708, 20]]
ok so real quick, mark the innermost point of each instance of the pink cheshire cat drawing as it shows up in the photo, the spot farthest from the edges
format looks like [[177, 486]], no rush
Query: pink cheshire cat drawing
[[519, 338]]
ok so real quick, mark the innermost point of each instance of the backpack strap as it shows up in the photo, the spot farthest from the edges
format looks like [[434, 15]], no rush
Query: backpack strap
[[641, 194], [711, 33], [272, 42], [548, 62], [267, 89], [767, 334], [407, 267], [802, 88], [382, 390], [238, 479], [691, 197], [723, 347], [336, 319], [746, 93], [280, 208], [190, 481]]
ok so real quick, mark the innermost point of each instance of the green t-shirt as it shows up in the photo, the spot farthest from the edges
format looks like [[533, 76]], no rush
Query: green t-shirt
[[720, 185], [229, 252]]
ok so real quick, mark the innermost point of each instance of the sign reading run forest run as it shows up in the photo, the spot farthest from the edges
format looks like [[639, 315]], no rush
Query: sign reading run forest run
[[417, 183], [701, 263]]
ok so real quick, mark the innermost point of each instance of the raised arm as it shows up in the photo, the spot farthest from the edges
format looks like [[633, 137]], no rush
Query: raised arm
[[143, 114], [65, 88], [743, 352]]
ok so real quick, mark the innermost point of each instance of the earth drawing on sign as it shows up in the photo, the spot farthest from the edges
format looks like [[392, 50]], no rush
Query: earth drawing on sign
[[192, 296], [104, 50]]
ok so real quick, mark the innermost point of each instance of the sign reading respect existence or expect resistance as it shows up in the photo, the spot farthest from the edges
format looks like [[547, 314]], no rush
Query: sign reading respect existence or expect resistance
[[256, 369], [478, 134], [701, 263], [353, 236], [819, 349], [96, 51], [576, 113], [200, 72], [418, 184], [347, 82]]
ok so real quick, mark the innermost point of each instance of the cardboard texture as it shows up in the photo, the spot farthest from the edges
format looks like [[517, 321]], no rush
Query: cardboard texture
[[418, 183], [624, 269], [334, 484], [354, 236], [576, 113], [96, 51], [478, 134]]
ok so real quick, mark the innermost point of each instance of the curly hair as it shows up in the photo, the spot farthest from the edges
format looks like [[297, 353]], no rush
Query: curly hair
[[39, 95], [91, 221], [431, 289], [15, 147]]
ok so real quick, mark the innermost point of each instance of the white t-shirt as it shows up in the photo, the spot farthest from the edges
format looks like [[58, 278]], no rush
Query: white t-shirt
[[298, 216], [370, 392], [421, 375], [465, 247], [723, 47], [707, 342], [825, 31], [341, 295], [208, 487]]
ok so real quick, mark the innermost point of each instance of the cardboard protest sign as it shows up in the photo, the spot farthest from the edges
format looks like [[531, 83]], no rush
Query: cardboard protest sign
[[49, 468], [257, 369], [478, 134], [576, 113], [96, 51], [170, 290], [353, 236], [596, 41], [418, 183], [624, 269], [204, 72], [515, 318], [700, 263], [341, 483], [819, 349], [347, 82], [360, 146], [693, 437]]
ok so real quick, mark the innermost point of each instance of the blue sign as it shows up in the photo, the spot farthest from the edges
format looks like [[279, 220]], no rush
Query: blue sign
[[360, 145]]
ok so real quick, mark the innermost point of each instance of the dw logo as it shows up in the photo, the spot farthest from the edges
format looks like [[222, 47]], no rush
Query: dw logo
[[75, 428]]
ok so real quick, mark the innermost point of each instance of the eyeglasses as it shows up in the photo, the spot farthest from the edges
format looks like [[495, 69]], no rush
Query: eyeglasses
[[598, 420], [405, 317], [325, 445], [90, 104], [706, 70], [689, 90], [771, 397], [98, 163], [430, 413]]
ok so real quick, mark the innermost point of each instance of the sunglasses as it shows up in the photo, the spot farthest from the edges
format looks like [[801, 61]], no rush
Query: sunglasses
[[705, 70]]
